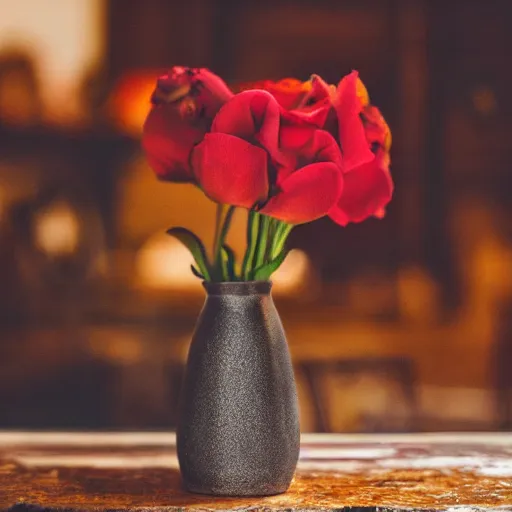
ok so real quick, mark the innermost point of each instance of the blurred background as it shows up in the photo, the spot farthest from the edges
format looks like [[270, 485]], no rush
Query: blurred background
[[401, 324]]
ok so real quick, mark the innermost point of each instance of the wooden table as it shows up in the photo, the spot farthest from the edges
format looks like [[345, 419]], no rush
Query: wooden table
[[139, 471]]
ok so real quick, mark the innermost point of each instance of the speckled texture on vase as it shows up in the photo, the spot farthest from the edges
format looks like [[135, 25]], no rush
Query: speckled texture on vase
[[238, 433]]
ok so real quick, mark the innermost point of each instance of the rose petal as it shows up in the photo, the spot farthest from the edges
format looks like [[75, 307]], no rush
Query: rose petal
[[316, 104], [213, 91], [293, 137], [230, 170], [184, 103], [315, 115], [367, 190], [289, 92], [319, 91], [207, 89], [247, 113], [256, 117], [362, 93], [307, 194], [308, 145], [321, 147], [306, 102], [354, 146], [376, 129], [167, 141]]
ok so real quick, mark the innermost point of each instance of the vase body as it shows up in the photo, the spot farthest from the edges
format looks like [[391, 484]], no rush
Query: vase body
[[238, 432]]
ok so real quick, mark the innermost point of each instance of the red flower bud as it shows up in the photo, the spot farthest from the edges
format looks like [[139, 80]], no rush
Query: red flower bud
[[185, 102]]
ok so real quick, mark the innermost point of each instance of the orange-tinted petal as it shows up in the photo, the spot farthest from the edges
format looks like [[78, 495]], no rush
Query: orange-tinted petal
[[319, 91], [316, 104], [362, 93], [289, 92], [376, 129]]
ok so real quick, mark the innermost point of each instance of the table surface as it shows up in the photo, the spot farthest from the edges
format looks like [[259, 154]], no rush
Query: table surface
[[139, 471]]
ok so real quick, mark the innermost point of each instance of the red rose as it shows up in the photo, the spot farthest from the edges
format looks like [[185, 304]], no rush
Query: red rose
[[360, 130], [185, 102], [258, 157], [285, 152], [365, 139]]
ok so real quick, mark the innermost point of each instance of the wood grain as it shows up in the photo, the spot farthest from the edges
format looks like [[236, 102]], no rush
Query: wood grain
[[88, 472]]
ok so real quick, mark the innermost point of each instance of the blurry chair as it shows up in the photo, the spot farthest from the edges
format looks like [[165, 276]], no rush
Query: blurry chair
[[398, 369]]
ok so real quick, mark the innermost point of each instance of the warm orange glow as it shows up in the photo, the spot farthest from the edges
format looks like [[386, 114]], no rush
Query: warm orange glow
[[418, 295], [130, 101], [56, 230], [293, 273], [163, 262], [120, 347], [148, 206]]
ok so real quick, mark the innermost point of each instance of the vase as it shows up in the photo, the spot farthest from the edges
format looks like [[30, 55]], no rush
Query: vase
[[238, 432]]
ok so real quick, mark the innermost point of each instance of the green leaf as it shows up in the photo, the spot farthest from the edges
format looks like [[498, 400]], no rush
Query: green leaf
[[195, 246], [196, 272], [265, 271], [228, 263]]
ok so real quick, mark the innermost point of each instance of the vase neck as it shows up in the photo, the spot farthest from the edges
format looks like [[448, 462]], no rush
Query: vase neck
[[238, 288]]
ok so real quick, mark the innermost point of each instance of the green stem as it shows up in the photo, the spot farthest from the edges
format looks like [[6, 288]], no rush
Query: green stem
[[252, 238], [261, 248], [272, 232], [282, 232], [220, 238], [226, 225], [218, 220]]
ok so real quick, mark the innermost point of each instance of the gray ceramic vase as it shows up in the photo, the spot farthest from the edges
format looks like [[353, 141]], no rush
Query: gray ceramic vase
[[238, 433]]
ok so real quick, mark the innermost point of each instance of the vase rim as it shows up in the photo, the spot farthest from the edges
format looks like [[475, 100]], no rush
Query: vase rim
[[238, 287]]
